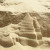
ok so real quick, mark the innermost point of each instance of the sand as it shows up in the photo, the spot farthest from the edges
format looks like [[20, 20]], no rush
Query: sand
[[24, 6], [20, 47]]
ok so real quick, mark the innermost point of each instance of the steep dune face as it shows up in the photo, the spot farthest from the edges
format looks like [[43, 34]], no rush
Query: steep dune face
[[27, 29], [24, 24], [23, 32], [44, 20], [8, 17]]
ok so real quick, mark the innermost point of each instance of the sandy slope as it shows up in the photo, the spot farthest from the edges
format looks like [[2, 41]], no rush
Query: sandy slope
[[24, 6], [20, 47]]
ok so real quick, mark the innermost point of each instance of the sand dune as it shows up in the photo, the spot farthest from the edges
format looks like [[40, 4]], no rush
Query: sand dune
[[25, 25]]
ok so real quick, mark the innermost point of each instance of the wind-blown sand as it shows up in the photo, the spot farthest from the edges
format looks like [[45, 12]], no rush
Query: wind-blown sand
[[20, 47], [24, 6]]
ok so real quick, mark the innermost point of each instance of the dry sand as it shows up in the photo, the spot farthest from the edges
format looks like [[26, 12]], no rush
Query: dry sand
[[25, 6], [20, 47]]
